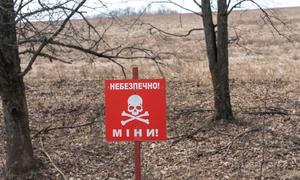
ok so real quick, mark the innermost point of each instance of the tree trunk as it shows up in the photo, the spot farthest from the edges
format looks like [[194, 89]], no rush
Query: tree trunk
[[217, 51], [18, 142]]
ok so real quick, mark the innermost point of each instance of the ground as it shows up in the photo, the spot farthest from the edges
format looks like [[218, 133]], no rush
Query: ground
[[265, 141], [67, 112]]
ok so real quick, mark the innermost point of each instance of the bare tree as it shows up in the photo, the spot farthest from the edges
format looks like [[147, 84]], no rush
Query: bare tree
[[217, 51], [18, 143], [216, 36], [33, 29], [217, 41]]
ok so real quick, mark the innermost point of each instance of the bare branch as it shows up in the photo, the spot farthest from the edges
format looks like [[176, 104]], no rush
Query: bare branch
[[270, 21], [197, 3], [180, 6], [51, 161], [99, 54], [50, 57], [235, 5], [46, 41], [171, 34], [48, 128], [40, 10]]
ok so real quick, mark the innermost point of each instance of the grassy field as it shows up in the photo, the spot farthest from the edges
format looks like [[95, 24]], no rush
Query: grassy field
[[260, 54], [265, 89]]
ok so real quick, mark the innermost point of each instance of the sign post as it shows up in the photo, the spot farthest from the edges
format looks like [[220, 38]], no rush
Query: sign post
[[135, 111], [137, 144]]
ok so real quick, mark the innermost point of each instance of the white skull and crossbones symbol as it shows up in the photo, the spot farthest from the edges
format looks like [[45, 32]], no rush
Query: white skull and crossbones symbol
[[135, 107]]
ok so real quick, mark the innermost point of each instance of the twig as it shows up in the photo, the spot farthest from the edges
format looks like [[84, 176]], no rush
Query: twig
[[239, 3], [267, 113], [190, 111], [192, 134], [72, 127], [46, 41], [263, 151], [294, 139], [41, 131], [270, 21], [50, 57], [263, 138], [178, 5], [253, 129], [47, 129], [51, 161], [172, 34]]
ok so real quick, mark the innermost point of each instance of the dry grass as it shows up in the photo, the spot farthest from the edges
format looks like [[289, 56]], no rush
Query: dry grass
[[263, 77], [268, 55]]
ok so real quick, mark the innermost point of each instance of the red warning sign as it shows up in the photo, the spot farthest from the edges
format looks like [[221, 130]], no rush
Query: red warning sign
[[135, 110]]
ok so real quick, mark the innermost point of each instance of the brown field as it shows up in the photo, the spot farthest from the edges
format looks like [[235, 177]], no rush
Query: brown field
[[265, 89]]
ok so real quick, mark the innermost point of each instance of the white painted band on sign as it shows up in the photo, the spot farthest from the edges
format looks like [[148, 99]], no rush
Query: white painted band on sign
[[134, 86]]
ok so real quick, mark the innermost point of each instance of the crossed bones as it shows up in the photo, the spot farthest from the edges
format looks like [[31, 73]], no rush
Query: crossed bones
[[132, 118]]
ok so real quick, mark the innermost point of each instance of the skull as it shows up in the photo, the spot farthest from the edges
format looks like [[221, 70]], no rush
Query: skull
[[135, 104]]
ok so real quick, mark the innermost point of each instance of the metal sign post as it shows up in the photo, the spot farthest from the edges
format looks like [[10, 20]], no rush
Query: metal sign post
[[137, 144]]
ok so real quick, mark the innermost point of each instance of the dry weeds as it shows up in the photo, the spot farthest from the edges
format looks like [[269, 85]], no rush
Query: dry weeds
[[265, 83]]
